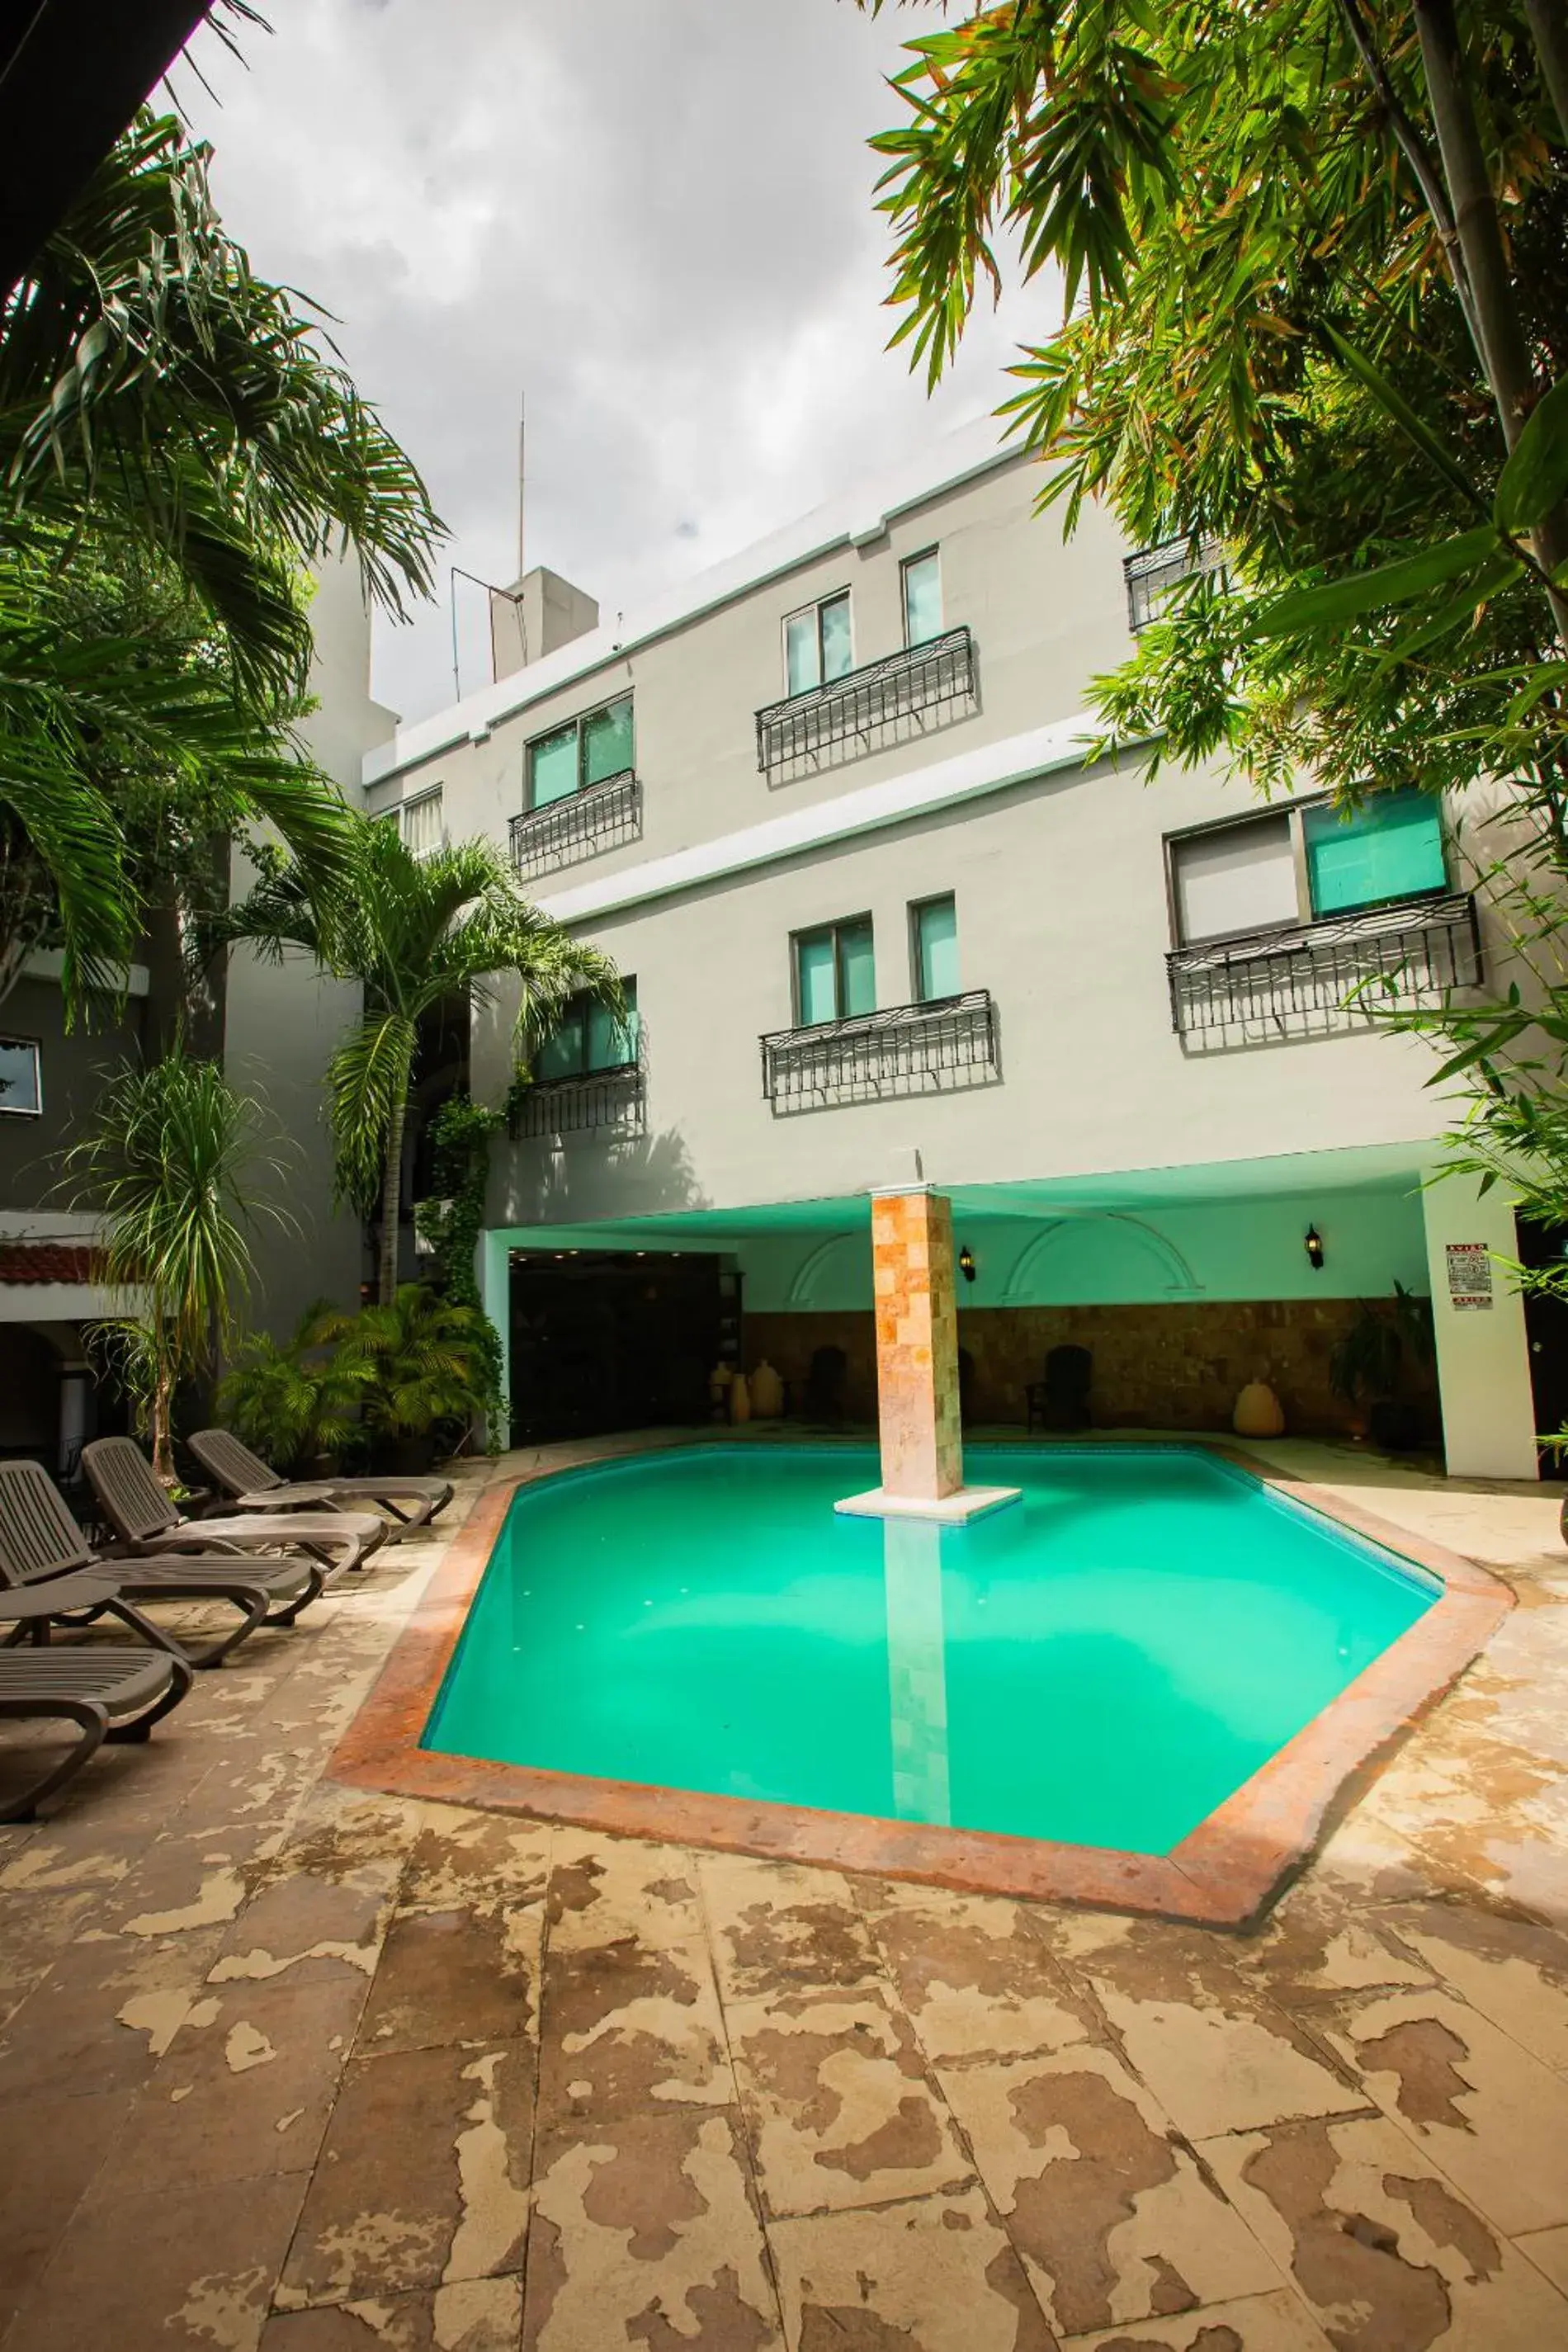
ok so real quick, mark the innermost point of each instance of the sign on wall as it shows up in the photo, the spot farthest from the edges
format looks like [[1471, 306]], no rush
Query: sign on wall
[[1470, 1274]]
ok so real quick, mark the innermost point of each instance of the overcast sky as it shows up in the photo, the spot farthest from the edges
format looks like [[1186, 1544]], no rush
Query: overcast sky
[[654, 214]]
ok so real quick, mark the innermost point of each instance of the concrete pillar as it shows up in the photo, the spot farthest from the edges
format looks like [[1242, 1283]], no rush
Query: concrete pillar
[[917, 1670], [917, 1344], [494, 1275], [917, 1366], [1477, 1316]]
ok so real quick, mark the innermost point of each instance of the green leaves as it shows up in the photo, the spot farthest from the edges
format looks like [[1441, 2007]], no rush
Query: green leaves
[[416, 933], [1535, 479], [1400, 583]]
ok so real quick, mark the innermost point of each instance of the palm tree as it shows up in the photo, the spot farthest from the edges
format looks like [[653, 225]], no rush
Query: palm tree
[[416, 933], [167, 1166], [167, 416]]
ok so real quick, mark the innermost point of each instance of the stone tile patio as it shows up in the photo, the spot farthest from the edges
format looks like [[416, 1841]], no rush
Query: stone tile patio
[[286, 2065]]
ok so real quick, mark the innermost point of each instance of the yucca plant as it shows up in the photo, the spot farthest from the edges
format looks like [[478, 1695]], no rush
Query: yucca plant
[[169, 1168], [298, 1400]]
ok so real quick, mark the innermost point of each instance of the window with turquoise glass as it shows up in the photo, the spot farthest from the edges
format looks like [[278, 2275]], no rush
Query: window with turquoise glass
[[608, 744], [1390, 848], [923, 598], [589, 1037], [936, 950], [857, 969], [816, 978], [612, 1040], [838, 653], [561, 1054], [596, 746], [802, 657], [553, 767], [818, 645], [835, 973]]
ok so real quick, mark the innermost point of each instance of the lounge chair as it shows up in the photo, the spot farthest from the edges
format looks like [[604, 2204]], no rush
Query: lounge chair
[[251, 1485], [42, 1549], [146, 1518], [106, 1693]]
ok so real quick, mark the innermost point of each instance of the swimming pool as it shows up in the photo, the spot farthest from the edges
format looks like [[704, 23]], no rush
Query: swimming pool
[[1101, 1663]]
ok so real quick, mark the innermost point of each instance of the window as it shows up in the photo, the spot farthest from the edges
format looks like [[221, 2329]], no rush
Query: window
[[817, 646], [923, 598], [1241, 878], [835, 973], [21, 1088], [1154, 573], [589, 1038], [423, 824], [1392, 848], [1304, 865], [587, 752], [934, 931]]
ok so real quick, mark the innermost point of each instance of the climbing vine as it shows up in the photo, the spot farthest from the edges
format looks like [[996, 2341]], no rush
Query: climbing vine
[[460, 1136]]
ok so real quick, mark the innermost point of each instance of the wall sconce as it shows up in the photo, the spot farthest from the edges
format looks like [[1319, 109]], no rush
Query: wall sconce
[[1314, 1247], [966, 1263]]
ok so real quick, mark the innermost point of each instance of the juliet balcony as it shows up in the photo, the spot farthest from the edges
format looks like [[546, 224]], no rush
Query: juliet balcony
[[1154, 572], [908, 693], [1326, 976], [583, 824], [611, 1101], [907, 1049]]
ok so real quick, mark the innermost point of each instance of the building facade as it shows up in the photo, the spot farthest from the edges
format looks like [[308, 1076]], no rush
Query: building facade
[[884, 918]]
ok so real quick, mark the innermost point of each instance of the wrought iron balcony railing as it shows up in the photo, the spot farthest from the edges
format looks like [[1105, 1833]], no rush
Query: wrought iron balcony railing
[[1154, 571], [585, 824], [612, 1099], [908, 1049], [1326, 975], [928, 682]]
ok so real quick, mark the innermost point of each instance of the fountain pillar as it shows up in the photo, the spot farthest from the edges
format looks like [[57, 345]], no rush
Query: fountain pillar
[[917, 1365]]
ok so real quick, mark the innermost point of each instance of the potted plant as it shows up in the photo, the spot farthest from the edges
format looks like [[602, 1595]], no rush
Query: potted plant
[[1390, 1340]]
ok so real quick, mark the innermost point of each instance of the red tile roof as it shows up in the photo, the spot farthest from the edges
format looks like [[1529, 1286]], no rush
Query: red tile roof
[[48, 1262]]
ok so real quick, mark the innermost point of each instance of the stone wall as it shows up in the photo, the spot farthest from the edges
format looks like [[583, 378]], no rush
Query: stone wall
[[1174, 1366]]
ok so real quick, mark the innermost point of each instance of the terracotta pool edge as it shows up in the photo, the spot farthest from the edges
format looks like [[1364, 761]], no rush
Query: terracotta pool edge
[[1222, 1876]]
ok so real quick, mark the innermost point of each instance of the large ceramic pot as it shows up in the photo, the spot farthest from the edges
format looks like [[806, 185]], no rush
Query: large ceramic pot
[[740, 1399], [1258, 1411], [767, 1393]]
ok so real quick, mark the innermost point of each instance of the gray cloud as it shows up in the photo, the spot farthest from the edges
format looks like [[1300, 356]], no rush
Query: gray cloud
[[654, 214]]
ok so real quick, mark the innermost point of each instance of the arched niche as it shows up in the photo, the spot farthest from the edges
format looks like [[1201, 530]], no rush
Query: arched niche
[[1104, 1259], [835, 1274]]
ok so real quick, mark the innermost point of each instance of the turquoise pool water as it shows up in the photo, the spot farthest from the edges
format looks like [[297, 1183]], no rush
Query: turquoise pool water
[[1102, 1662]]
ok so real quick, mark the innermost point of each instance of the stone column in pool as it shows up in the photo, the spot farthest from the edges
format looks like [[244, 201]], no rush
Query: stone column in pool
[[917, 1345], [921, 1433]]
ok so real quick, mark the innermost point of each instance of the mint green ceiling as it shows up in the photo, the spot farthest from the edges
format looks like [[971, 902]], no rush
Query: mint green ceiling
[[1385, 1168]]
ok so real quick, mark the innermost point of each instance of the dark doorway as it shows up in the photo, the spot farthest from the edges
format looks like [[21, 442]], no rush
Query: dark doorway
[[612, 1339], [1546, 1327]]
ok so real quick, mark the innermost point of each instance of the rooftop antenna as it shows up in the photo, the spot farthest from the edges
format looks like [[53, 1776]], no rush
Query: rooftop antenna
[[522, 476]]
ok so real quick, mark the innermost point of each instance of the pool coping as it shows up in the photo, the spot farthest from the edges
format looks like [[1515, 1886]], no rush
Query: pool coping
[[1223, 1874]]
